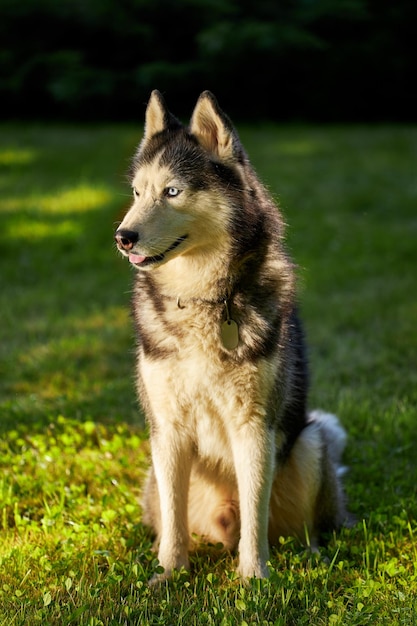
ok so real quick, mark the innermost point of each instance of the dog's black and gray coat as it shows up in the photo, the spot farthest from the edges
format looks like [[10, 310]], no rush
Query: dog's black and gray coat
[[222, 376]]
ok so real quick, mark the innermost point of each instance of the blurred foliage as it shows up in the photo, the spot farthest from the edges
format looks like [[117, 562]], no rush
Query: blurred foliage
[[286, 59]]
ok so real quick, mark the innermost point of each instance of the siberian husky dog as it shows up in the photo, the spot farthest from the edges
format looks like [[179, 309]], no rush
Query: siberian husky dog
[[221, 368]]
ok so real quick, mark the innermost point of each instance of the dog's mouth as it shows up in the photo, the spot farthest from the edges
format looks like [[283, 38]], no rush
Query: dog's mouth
[[143, 261]]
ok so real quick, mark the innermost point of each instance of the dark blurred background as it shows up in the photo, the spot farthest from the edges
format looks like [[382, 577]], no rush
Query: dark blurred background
[[302, 60]]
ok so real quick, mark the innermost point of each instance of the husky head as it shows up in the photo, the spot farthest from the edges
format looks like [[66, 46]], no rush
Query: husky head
[[186, 181]]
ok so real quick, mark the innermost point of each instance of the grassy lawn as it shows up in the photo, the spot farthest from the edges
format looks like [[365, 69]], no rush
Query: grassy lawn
[[73, 447]]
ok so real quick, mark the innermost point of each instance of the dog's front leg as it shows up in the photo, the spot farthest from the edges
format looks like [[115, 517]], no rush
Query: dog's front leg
[[172, 458], [254, 458]]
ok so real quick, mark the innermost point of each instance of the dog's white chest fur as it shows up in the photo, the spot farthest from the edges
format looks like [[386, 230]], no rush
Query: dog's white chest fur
[[198, 394]]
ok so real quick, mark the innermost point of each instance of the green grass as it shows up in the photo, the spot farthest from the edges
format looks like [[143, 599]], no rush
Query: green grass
[[73, 449]]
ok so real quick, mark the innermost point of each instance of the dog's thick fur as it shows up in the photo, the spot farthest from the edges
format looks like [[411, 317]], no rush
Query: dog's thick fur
[[236, 458]]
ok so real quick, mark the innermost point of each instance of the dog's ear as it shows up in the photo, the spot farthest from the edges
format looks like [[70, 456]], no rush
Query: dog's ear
[[213, 129], [158, 118]]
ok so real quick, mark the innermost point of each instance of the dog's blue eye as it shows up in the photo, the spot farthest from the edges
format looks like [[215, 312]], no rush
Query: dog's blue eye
[[172, 192]]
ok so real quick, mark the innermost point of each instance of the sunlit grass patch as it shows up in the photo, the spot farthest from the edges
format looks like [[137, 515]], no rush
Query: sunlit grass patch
[[32, 229], [80, 198], [76, 476], [37, 217], [16, 156], [69, 504]]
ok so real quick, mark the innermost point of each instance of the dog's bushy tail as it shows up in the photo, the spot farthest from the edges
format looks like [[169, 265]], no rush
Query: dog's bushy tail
[[334, 436]]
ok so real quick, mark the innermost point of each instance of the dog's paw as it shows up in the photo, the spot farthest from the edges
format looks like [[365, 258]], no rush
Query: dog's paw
[[165, 571], [161, 576], [258, 569]]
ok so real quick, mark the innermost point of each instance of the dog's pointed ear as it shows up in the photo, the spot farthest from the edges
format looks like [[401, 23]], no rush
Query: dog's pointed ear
[[213, 129], [158, 118]]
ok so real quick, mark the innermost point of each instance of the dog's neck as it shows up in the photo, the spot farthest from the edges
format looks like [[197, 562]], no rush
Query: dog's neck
[[189, 279], [229, 328]]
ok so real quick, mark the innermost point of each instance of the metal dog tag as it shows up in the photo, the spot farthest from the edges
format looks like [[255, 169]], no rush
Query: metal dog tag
[[229, 331], [230, 334]]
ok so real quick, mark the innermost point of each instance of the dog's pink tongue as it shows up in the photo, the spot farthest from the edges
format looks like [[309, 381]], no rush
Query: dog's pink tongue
[[136, 258]]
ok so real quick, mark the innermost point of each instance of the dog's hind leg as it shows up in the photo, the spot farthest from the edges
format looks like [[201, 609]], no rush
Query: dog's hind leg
[[295, 490], [306, 495]]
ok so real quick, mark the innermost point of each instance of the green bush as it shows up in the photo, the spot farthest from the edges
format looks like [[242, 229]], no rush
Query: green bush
[[96, 59]]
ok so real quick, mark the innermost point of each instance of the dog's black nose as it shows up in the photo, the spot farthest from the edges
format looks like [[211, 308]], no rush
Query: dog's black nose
[[126, 239]]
